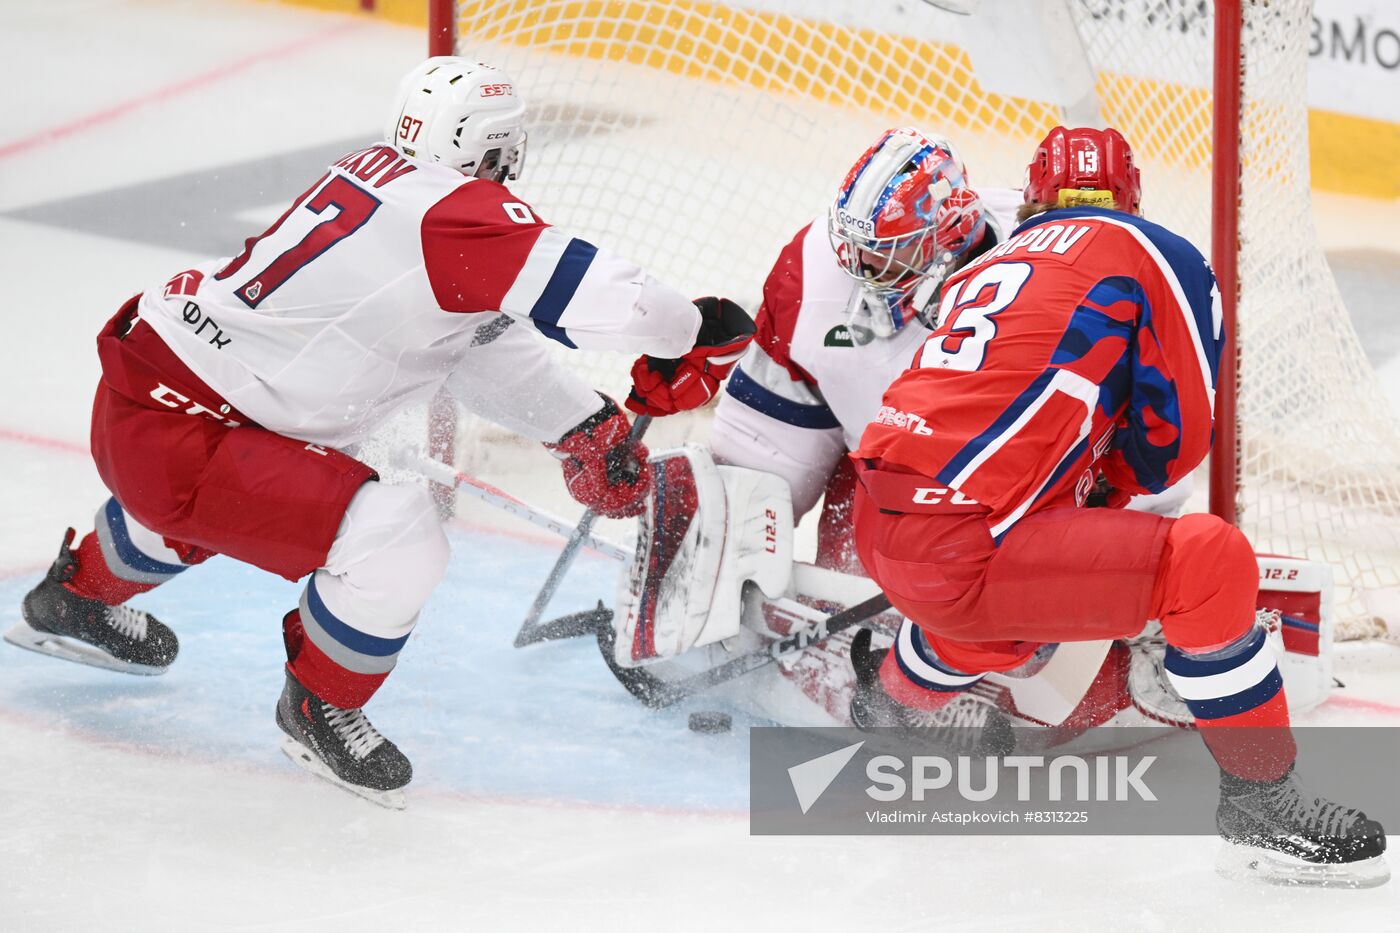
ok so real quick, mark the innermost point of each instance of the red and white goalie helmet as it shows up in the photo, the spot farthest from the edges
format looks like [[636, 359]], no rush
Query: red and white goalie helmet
[[463, 114], [1084, 167], [903, 216]]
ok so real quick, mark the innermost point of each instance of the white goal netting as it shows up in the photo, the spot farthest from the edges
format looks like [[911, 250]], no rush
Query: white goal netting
[[697, 137]]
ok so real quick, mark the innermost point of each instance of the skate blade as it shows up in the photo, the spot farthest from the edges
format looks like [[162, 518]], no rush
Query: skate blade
[[1248, 863], [23, 635], [389, 799]]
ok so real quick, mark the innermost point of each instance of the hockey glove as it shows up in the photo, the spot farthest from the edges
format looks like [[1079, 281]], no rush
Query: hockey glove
[[602, 469], [1105, 495], [664, 387]]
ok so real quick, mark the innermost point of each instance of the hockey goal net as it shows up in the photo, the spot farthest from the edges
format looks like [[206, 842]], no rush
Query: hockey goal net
[[696, 137]]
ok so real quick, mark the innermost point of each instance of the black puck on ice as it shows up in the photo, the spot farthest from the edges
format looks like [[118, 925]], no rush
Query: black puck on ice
[[710, 723]]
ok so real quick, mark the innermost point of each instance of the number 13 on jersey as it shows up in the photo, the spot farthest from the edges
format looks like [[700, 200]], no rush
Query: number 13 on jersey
[[967, 312]]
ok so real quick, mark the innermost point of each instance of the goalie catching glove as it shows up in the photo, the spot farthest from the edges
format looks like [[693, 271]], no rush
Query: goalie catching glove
[[664, 387], [603, 469]]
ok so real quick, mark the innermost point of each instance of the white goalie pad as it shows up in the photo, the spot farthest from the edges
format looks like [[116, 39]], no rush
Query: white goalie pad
[[707, 531], [1048, 693], [1295, 602], [1297, 596]]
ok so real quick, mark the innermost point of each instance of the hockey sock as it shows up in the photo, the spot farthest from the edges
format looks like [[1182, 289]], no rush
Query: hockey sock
[[1219, 662], [914, 676], [95, 580], [319, 673], [120, 559], [341, 663], [1236, 694]]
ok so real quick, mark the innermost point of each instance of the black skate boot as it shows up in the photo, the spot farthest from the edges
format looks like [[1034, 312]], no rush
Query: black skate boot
[[1276, 831], [966, 724], [62, 624], [341, 746]]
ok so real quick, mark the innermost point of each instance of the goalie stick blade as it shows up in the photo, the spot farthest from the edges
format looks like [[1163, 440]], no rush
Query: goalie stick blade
[[1251, 864], [22, 635], [302, 756], [651, 690], [659, 694], [573, 625]]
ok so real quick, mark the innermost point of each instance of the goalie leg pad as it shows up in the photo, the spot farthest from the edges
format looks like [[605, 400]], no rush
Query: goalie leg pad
[[706, 532]]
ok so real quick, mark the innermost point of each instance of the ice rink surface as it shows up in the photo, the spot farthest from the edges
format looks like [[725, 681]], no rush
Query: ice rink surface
[[142, 136]]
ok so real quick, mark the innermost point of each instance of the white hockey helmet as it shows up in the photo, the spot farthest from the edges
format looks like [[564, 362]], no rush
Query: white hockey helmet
[[461, 113], [902, 220]]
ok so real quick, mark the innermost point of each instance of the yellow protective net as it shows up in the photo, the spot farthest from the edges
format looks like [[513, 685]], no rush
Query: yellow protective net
[[698, 137]]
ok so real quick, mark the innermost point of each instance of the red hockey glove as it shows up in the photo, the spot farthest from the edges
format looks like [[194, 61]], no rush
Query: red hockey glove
[[602, 469], [664, 387]]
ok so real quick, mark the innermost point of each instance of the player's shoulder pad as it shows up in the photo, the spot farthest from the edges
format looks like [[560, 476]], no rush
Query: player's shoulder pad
[[1162, 238], [1153, 237], [782, 302], [1178, 260], [485, 203]]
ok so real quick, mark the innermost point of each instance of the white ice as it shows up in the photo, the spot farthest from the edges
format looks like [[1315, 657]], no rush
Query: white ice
[[544, 798]]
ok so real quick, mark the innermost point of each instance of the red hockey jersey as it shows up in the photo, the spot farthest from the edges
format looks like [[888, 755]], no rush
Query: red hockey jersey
[[1090, 340]]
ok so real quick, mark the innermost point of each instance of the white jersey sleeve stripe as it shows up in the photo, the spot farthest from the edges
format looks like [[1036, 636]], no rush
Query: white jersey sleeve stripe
[[552, 274], [534, 275]]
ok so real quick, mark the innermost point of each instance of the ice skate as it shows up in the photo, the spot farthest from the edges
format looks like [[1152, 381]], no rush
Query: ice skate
[[62, 624], [1280, 833], [967, 724], [341, 746]]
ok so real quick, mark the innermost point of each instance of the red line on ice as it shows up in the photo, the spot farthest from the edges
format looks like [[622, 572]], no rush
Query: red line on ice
[[1374, 706], [169, 91], [37, 440]]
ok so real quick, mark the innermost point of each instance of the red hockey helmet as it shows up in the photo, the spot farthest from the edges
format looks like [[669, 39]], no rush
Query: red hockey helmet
[[1084, 167]]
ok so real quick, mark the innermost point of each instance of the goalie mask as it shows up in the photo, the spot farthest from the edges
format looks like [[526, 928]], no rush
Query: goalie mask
[[463, 114], [902, 219]]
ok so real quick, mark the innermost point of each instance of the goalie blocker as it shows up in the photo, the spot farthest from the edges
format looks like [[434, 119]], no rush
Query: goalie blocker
[[714, 563]]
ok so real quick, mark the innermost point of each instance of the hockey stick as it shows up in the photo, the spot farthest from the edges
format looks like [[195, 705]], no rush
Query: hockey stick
[[527, 634], [659, 694], [469, 485]]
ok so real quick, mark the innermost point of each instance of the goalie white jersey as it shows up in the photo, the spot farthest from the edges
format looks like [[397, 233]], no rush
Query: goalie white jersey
[[804, 392], [388, 276]]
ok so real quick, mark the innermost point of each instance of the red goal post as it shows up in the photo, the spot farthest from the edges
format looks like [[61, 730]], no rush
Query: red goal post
[[697, 135]]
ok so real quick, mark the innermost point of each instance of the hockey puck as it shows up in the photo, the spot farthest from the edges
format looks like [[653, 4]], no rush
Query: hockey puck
[[710, 723]]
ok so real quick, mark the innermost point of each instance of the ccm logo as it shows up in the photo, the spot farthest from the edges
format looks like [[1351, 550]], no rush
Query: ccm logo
[[168, 397], [497, 90], [932, 495]]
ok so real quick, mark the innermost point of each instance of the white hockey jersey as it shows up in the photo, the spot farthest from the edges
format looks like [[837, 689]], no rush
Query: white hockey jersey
[[386, 279], [805, 390]]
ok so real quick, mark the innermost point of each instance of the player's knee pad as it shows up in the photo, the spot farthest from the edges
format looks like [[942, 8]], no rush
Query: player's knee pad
[[390, 552], [1207, 583]]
